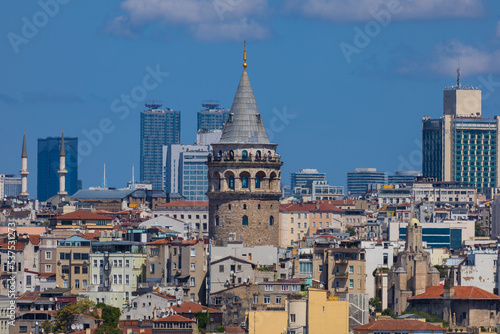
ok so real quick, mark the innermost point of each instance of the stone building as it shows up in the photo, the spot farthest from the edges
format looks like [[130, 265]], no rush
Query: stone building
[[244, 176], [412, 272]]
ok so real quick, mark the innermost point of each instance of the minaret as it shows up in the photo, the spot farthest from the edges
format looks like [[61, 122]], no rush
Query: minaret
[[24, 170], [62, 169], [244, 176]]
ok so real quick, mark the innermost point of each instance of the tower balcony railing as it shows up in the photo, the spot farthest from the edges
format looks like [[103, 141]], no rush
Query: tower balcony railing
[[248, 158]]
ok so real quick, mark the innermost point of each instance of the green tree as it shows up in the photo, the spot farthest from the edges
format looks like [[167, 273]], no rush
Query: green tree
[[389, 312], [110, 315], [351, 231], [108, 330], [203, 319], [64, 317], [375, 305], [479, 231]]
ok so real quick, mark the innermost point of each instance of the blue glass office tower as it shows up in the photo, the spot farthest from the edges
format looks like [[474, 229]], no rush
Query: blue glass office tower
[[212, 117], [48, 164], [158, 127]]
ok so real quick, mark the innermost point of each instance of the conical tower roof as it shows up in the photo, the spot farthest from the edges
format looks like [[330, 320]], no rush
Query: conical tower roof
[[62, 152], [24, 153], [244, 125]]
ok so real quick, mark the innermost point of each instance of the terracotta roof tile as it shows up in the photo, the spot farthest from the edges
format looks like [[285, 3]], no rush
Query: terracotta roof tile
[[81, 215], [461, 292], [29, 295], [174, 318], [35, 239], [310, 207], [398, 324], [189, 307], [164, 296], [233, 330]]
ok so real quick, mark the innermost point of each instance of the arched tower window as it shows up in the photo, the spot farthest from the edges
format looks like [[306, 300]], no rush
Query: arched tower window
[[231, 155], [231, 182], [257, 182], [244, 220], [244, 155], [258, 155], [217, 221], [244, 206], [271, 220], [244, 181]]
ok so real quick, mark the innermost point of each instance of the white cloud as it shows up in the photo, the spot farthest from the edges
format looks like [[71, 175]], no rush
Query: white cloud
[[446, 57], [363, 10], [205, 19]]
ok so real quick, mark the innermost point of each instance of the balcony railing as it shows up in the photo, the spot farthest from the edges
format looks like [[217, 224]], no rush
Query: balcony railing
[[239, 158]]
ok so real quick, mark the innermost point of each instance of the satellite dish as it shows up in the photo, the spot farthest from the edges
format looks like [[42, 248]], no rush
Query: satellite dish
[[73, 327]]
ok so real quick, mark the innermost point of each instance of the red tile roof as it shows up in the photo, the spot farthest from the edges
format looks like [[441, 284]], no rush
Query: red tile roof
[[47, 274], [29, 295], [81, 215], [174, 318], [309, 207], [189, 307], [398, 324], [175, 204], [17, 246], [461, 292], [35, 239]]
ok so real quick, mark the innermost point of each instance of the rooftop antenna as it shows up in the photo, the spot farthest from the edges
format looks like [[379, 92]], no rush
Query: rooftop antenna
[[133, 178], [458, 74]]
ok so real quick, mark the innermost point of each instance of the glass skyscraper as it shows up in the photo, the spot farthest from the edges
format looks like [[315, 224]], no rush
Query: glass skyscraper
[[212, 117], [48, 164], [363, 179], [158, 128]]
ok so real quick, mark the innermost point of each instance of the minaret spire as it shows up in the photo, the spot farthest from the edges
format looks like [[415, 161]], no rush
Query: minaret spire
[[24, 170], [458, 77], [245, 54], [62, 169]]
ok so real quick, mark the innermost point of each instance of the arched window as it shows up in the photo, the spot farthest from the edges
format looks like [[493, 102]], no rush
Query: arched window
[[271, 220], [216, 221], [244, 220], [257, 155], [244, 181], [231, 155], [258, 206], [231, 182], [229, 206], [257, 182], [244, 154], [244, 206]]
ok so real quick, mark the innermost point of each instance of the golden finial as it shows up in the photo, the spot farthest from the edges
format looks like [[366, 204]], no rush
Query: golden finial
[[245, 54]]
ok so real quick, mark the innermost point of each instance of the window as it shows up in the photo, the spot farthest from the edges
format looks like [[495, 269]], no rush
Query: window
[[292, 317], [278, 299], [291, 230], [269, 287], [285, 287], [218, 300], [221, 268], [314, 224], [267, 300], [231, 183], [151, 268], [244, 181], [314, 215], [298, 225], [95, 280], [295, 288], [127, 279], [305, 269], [351, 269], [351, 284], [305, 225], [257, 183], [320, 268], [244, 220], [193, 266], [193, 251], [154, 251], [77, 284], [65, 269], [48, 268], [95, 263], [115, 279], [48, 255], [23, 329], [386, 258], [255, 299], [271, 221], [229, 206], [28, 280], [84, 284], [216, 221], [127, 263], [320, 225], [193, 281]]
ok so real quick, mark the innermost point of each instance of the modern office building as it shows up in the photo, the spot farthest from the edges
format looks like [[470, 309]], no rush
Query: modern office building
[[185, 169], [212, 117], [10, 185], [461, 146], [404, 177], [364, 179], [305, 177], [49, 150], [159, 127]]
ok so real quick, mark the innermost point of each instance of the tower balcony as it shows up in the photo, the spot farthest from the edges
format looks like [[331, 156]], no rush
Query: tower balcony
[[238, 159]]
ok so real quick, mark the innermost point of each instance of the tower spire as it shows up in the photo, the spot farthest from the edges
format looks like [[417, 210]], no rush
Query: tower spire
[[24, 170], [62, 152], [245, 54]]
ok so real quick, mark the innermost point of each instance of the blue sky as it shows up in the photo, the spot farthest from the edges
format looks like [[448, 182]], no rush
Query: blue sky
[[340, 84]]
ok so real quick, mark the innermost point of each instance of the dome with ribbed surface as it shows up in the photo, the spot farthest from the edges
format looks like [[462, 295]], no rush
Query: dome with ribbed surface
[[244, 124]]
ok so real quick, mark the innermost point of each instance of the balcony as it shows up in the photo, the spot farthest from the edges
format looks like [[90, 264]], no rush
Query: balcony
[[248, 159]]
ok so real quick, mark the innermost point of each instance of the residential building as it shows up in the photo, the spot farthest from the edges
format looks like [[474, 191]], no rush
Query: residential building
[[234, 302], [73, 254], [298, 220], [260, 255], [48, 253], [179, 264], [325, 312], [159, 127], [117, 270], [244, 176], [49, 150], [212, 117], [480, 269], [391, 194], [5, 303], [194, 213], [10, 185], [145, 306], [21, 260], [175, 324], [116, 200], [174, 225], [82, 219], [362, 180], [461, 146], [357, 219], [185, 166], [444, 194], [345, 270]]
